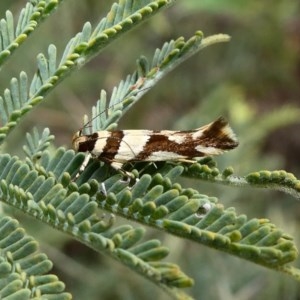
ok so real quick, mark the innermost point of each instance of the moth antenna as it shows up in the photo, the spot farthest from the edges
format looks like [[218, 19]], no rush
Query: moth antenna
[[109, 107], [129, 147]]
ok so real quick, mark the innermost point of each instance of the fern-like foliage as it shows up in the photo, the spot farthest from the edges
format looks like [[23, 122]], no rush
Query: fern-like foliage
[[106, 114], [61, 204], [23, 269], [159, 202], [278, 180], [22, 96], [43, 184], [30, 17]]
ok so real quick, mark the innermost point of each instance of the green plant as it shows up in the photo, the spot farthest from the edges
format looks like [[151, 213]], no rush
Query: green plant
[[41, 185]]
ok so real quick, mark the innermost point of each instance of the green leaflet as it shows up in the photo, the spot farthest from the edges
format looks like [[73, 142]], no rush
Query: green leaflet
[[19, 258], [183, 212], [73, 212]]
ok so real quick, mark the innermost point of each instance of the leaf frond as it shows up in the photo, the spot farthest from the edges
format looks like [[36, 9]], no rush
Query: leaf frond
[[74, 212], [106, 114], [13, 104], [36, 144], [158, 202], [122, 17], [30, 17], [23, 269], [279, 180], [20, 98]]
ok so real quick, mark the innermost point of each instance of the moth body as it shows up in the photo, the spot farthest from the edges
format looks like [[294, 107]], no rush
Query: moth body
[[122, 146]]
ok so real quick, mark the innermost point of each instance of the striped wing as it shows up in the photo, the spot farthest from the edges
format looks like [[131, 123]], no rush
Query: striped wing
[[145, 145]]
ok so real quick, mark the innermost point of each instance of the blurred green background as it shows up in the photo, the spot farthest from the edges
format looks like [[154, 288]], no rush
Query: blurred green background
[[254, 81]]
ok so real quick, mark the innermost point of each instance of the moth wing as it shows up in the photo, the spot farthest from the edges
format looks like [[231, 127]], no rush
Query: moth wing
[[147, 145]]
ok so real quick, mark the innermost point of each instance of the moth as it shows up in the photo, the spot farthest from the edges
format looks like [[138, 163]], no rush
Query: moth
[[122, 146]]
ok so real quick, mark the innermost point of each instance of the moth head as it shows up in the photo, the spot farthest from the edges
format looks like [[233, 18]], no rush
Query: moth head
[[77, 139]]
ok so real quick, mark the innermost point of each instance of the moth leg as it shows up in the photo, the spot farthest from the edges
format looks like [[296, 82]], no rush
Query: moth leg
[[83, 165], [190, 161], [149, 164], [103, 189], [118, 166]]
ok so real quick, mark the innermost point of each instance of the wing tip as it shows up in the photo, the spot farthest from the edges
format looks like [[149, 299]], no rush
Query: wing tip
[[222, 134]]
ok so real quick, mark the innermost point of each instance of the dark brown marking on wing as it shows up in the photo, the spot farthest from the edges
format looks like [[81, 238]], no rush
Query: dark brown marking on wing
[[89, 144], [158, 142], [112, 146], [215, 136]]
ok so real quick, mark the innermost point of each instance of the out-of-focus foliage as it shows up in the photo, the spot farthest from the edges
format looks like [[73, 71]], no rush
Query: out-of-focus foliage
[[260, 76]]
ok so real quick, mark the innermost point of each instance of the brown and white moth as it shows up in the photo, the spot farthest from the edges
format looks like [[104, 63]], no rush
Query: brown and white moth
[[122, 146]]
